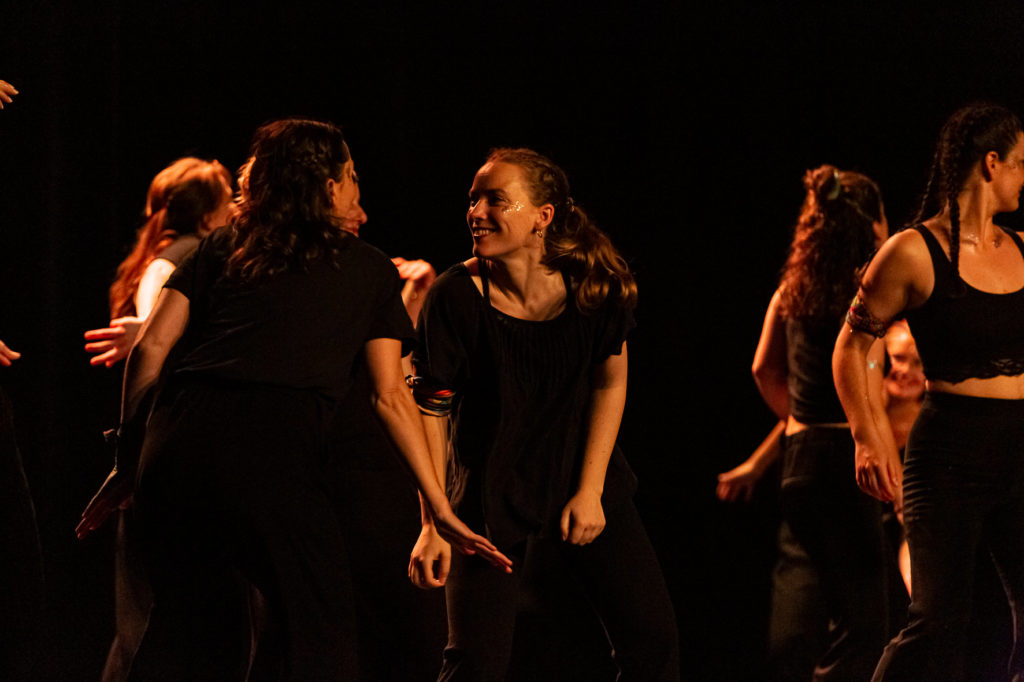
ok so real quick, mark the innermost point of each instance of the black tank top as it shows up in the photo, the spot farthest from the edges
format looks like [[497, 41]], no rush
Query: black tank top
[[976, 334], [812, 393]]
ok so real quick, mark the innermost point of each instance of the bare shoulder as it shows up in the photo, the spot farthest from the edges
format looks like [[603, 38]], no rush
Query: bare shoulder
[[902, 269]]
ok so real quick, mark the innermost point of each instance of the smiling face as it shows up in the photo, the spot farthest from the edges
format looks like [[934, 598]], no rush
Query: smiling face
[[905, 380], [502, 218]]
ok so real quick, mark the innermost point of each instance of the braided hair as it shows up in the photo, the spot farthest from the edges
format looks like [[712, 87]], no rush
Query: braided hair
[[833, 238], [967, 136]]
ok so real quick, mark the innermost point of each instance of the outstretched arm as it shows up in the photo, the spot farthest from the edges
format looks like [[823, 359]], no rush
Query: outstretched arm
[[401, 420], [142, 370], [583, 516], [739, 483]]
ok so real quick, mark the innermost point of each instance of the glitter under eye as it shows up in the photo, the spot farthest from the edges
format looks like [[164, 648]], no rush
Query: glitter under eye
[[513, 208]]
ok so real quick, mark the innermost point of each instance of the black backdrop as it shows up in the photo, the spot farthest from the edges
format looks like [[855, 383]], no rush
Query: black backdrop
[[684, 130]]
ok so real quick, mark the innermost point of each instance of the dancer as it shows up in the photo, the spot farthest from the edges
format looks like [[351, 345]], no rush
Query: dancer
[[524, 345], [268, 317], [186, 201], [959, 278], [826, 520]]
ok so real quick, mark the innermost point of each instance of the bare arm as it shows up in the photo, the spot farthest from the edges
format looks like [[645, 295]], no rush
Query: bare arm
[[152, 282], [142, 370], [583, 516], [740, 482], [430, 559], [112, 343], [897, 278], [769, 369], [401, 419]]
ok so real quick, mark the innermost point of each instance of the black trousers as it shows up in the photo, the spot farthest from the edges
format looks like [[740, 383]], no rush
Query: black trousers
[[963, 488], [232, 504], [840, 530], [620, 575]]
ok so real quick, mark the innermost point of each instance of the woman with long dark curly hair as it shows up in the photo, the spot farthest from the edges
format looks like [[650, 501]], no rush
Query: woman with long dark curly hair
[[265, 319], [958, 277], [825, 517], [524, 346]]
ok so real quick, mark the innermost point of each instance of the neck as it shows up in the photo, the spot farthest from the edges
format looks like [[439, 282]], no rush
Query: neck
[[976, 212], [521, 278]]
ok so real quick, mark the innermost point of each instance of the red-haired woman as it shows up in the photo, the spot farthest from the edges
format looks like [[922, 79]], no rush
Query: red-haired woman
[[524, 346], [186, 201]]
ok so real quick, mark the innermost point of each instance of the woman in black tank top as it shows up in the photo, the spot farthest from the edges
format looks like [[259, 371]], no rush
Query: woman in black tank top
[[832, 534], [959, 279]]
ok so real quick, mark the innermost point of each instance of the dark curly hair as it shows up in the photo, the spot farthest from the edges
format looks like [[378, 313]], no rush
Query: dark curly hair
[[833, 239], [285, 219], [572, 243], [968, 135]]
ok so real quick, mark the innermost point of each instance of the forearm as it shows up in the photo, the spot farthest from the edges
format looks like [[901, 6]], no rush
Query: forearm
[[401, 419], [436, 430], [768, 451], [860, 397], [606, 409]]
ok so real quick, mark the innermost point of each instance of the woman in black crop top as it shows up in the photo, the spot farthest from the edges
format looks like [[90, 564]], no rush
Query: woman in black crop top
[[524, 346], [959, 279], [826, 520], [266, 319]]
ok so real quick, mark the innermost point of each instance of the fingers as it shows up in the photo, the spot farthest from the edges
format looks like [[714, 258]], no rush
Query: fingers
[[7, 93], [7, 356], [104, 334], [564, 524]]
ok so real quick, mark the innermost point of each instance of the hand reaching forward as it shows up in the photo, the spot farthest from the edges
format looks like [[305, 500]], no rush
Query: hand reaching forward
[[7, 356], [7, 93], [458, 534], [115, 493], [112, 343], [582, 518], [738, 484]]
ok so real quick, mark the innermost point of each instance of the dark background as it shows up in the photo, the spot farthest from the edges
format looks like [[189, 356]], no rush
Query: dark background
[[684, 129]]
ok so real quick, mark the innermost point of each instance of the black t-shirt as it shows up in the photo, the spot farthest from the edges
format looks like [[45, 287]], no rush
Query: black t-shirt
[[523, 389], [179, 249], [297, 330]]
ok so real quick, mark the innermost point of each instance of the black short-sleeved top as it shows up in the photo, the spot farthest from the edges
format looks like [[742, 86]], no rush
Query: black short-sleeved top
[[295, 330], [179, 249], [523, 390]]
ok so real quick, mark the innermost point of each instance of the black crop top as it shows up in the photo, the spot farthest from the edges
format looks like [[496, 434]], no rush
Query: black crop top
[[812, 393], [974, 335]]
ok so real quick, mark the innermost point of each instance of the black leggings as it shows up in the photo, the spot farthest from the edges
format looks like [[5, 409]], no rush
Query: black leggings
[[839, 530], [963, 488], [620, 575]]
